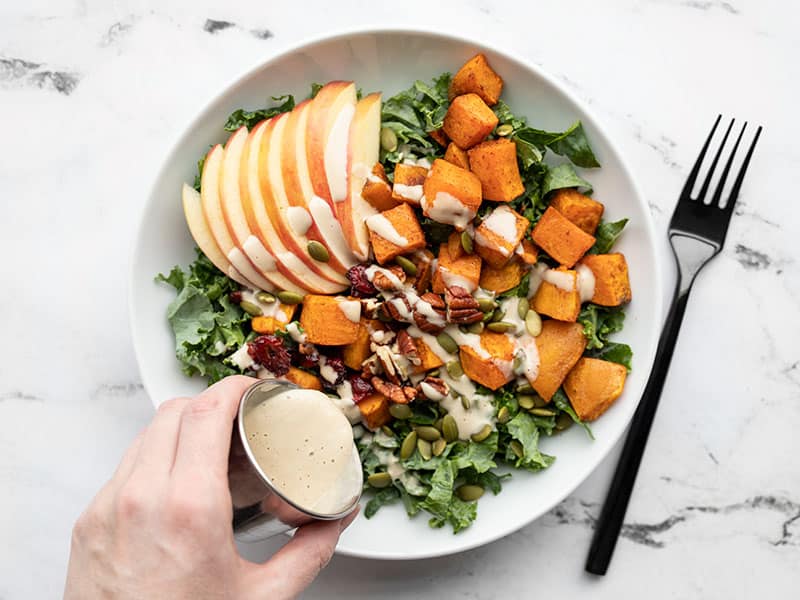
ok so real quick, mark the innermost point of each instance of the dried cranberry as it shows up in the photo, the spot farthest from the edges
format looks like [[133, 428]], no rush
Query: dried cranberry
[[235, 297], [360, 286], [337, 364], [308, 360], [361, 388], [270, 352]]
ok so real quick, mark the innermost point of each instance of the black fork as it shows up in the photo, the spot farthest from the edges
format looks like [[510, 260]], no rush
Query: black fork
[[696, 233]]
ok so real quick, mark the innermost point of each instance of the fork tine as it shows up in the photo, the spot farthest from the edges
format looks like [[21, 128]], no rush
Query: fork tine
[[715, 200], [704, 189], [740, 177], [687, 188]]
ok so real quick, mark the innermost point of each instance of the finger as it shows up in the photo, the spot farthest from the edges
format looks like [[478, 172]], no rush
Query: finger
[[297, 564], [157, 449], [206, 427], [125, 467]]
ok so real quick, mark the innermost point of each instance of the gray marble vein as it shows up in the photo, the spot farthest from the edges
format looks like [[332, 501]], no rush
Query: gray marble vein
[[18, 72]]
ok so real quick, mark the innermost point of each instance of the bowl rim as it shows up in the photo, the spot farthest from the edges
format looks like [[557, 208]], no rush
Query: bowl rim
[[645, 358]]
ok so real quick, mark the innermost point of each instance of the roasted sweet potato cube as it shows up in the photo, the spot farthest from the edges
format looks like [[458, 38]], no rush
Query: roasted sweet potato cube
[[477, 77], [555, 301], [611, 284], [280, 317], [528, 252], [423, 260], [304, 379], [375, 411], [428, 359], [580, 209], [377, 189], [464, 271], [457, 156], [454, 247], [499, 234], [495, 164], [439, 137], [394, 232], [356, 353], [560, 345], [593, 385], [503, 278], [561, 238], [452, 194], [325, 323], [408, 180], [469, 120], [489, 365]]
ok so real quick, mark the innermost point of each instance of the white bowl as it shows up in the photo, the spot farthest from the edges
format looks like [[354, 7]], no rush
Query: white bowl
[[390, 61]]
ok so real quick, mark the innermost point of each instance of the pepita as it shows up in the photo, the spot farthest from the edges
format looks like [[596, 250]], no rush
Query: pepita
[[469, 492], [538, 401], [524, 388], [484, 433], [438, 447], [318, 252], [428, 433], [476, 328], [454, 369], [447, 343], [387, 431], [388, 139], [379, 480], [542, 412], [503, 416], [517, 448], [265, 297], [287, 297], [465, 402], [449, 428], [563, 422], [526, 401], [400, 411], [504, 130], [251, 309], [522, 307], [498, 315], [434, 373], [533, 323], [425, 449], [501, 326], [466, 242], [409, 267], [486, 304], [438, 424], [408, 445]]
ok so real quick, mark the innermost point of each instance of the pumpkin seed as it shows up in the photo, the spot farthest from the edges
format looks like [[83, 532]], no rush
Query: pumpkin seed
[[466, 242], [465, 402], [265, 297], [542, 412], [428, 433], [449, 428], [538, 401], [251, 309], [409, 267], [434, 373], [447, 343], [469, 492], [317, 251], [290, 297], [408, 445], [484, 433], [486, 304], [524, 388], [379, 480], [504, 129], [438, 424], [454, 369], [438, 447], [502, 415], [400, 411], [517, 448], [522, 307], [533, 323], [425, 449], [387, 431], [476, 328], [501, 327], [498, 315], [526, 401], [388, 139], [563, 422]]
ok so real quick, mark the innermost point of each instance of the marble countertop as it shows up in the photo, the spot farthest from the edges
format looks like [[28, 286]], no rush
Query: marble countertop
[[93, 93]]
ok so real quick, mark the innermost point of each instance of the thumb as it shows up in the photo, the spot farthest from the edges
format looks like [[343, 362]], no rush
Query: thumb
[[297, 564]]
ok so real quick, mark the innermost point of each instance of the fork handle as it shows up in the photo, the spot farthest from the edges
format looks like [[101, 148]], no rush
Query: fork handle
[[610, 522]]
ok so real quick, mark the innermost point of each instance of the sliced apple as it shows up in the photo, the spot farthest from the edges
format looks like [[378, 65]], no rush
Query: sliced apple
[[363, 153], [215, 218], [196, 220]]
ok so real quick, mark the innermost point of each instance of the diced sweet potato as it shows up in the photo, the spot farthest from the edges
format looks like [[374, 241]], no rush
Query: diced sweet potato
[[469, 120], [611, 284], [423, 260], [304, 379], [378, 191], [325, 323], [491, 365], [561, 238], [593, 385], [580, 209], [375, 411], [476, 76], [452, 194], [556, 302], [454, 246], [281, 317], [439, 137], [408, 180], [457, 156], [529, 253], [499, 234], [464, 271], [356, 353], [428, 359], [560, 345], [401, 224], [495, 164], [503, 278]]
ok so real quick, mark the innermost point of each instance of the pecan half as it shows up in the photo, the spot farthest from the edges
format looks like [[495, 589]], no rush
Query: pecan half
[[387, 283], [434, 388], [462, 308], [395, 393], [398, 308], [407, 347], [422, 317]]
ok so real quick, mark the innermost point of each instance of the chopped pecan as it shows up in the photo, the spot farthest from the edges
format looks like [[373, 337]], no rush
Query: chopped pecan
[[389, 283], [398, 308], [462, 308], [407, 347], [434, 388], [395, 393], [388, 364], [371, 366], [427, 322]]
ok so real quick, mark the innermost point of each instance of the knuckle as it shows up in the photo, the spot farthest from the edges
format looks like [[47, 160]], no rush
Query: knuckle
[[322, 554], [132, 503], [202, 405], [189, 511], [86, 525], [171, 405]]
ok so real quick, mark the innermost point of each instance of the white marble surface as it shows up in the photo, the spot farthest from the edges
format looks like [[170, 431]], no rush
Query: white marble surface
[[94, 91]]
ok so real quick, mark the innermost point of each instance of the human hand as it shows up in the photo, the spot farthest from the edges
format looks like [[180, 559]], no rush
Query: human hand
[[161, 527]]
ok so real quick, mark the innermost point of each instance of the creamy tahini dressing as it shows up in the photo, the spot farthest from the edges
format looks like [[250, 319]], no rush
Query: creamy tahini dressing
[[450, 279], [293, 329], [350, 308], [331, 231], [585, 282], [304, 445], [345, 403], [299, 219], [446, 208], [383, 227], [511, 308], [470, 420], [503, 223], [336, 153], [535, 278], [373, 270], [563, 280], [409, 192], [241, 358]]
